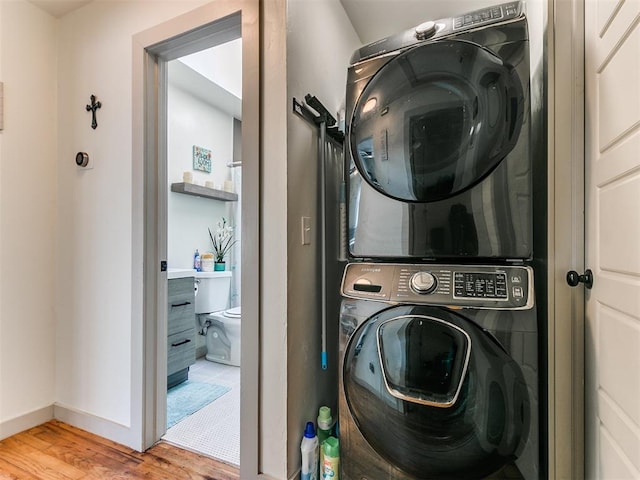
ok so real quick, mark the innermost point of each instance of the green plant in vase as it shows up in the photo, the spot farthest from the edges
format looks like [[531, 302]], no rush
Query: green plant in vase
[[221, 243]]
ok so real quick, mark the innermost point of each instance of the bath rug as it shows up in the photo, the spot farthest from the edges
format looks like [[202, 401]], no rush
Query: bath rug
[[189, 397]]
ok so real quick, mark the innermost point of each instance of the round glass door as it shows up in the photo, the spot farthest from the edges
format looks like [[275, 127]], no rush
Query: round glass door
[[434, 394], [435, 120]]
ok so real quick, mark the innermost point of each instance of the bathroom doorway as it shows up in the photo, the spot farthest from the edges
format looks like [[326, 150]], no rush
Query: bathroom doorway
[[204, 238], [211, 25]]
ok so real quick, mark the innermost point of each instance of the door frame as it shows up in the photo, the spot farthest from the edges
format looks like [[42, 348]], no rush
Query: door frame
[[566, 237], [151, 51]]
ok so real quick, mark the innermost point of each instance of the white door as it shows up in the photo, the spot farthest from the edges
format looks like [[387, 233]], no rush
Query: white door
[[612, 175]]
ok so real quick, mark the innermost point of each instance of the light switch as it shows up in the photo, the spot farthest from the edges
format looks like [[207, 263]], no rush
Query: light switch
[[306, 230]]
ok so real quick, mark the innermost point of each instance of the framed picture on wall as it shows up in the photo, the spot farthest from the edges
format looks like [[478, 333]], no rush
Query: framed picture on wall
[[201, 159]]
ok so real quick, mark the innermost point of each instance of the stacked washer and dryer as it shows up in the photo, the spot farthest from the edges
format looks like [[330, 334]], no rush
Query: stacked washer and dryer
[[440, 372]]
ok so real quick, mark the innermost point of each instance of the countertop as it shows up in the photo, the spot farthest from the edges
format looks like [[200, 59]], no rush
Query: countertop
[[190, 272], [180, 273]]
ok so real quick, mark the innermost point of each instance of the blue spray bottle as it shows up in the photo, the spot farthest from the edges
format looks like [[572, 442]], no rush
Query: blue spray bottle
[[196, 261]]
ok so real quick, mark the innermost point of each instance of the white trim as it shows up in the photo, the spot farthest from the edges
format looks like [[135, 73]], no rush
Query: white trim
[[566, 238], [26, 421], [92, 423]]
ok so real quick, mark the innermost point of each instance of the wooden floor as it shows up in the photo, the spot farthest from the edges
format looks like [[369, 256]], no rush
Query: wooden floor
[[58, 451]]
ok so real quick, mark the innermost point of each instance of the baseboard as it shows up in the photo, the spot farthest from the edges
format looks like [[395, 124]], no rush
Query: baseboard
[[98, 426], [25, 422], [295, 475], [201, 351]]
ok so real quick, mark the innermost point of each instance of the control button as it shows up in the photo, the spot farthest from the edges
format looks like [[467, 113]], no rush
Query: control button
[[423, 283], [516, 279], [518, 292], [425, 30]]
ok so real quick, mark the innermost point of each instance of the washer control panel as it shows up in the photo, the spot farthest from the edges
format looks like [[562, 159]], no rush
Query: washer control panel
[[423, 282], [508, 287], [480, 285]]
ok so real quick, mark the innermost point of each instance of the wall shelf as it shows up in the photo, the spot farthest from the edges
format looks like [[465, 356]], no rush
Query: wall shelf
[[205, 192]]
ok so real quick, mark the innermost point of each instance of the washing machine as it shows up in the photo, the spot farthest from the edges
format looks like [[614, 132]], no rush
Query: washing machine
[[438, 372], [437, 156]]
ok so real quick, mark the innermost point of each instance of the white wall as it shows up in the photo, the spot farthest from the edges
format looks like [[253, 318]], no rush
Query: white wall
[[193, 122], [27, 215], [223, 68], [318, 53], [94, 241]]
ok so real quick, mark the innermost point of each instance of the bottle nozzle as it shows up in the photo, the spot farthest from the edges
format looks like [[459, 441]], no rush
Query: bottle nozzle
[[309, 430]]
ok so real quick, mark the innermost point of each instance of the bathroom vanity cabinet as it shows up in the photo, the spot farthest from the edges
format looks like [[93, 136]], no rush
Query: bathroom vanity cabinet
[[181, 332]]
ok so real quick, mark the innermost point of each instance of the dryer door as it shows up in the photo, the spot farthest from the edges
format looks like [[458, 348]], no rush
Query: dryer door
[[434, 394], [435, 120], [438, 163]]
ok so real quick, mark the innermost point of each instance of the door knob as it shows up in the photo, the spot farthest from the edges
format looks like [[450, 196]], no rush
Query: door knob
[[574, 278]]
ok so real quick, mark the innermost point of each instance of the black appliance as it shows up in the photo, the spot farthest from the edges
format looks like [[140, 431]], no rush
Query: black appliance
[[441, 344], [438, 374], [438, 162]]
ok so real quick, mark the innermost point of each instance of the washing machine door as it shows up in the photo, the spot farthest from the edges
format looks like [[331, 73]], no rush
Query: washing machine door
[[435, 120], [434, 394]]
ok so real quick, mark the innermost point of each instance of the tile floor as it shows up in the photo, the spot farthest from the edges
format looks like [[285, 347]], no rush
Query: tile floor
[[214, 430]]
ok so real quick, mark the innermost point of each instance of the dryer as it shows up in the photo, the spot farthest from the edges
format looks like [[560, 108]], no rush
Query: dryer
[[438, 162], [438, 373]]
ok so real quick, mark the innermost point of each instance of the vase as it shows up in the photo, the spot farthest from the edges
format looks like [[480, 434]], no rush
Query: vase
[[219, 266]]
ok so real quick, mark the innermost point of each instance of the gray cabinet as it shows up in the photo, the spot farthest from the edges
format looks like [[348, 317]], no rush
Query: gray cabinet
[[181, 332]]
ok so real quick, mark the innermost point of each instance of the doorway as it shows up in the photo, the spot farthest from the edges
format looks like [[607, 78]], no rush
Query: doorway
[[205, 27], [204, 165]]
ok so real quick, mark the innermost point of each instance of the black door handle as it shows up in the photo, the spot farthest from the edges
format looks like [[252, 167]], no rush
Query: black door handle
[[574, 278]]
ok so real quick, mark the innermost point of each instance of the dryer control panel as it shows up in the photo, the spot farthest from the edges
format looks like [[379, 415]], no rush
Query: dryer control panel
[[435, 29], [487, 15], [504, 287]]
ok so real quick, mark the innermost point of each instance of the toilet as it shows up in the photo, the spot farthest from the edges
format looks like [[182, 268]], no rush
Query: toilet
[[220, 324]]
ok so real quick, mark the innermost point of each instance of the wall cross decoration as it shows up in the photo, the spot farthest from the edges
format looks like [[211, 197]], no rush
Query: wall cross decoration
[[92, 108]]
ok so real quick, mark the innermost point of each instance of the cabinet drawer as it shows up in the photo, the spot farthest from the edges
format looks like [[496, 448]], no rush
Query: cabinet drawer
[[181, 350], [181, 316], [180, 288], [181, 307]]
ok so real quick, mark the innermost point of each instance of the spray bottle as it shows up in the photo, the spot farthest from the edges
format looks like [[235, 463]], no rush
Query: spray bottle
[[331, 462], [196, 261], [309, 450]]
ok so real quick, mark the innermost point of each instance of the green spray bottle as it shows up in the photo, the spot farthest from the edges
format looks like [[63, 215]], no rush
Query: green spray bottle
[[331, 459]]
